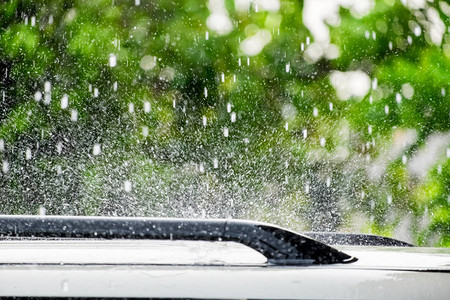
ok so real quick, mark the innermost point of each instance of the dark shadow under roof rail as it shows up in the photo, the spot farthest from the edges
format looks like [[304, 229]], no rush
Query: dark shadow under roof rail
[[278, 245]]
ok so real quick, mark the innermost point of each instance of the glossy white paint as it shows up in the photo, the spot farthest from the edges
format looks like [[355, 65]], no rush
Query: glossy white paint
[[126, 268]]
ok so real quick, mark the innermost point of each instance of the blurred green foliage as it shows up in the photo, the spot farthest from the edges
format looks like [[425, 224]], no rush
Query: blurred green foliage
[[113, 108]]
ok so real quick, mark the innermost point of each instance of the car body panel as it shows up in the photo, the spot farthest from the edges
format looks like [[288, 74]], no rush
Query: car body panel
[[196, 269]]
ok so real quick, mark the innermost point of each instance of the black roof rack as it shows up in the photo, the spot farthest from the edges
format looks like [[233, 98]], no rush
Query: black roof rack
[[278, 245]]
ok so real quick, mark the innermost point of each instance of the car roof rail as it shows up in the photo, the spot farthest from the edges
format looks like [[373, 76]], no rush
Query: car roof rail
[[280, 246], [355, 239]]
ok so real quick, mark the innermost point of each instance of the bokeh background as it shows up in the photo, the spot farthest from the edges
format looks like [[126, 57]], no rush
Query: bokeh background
[[315, 115]]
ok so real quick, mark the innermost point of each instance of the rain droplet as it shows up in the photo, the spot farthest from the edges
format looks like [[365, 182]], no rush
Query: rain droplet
[[389, 199], [64, 101], [328, 181], [233, 117], [5, 166], [33, 21], [115, 86], [137, 2], [417, 31], [374, 84], [215, 163], [96, 150], [113, 59], [288, 67], [28, 154], [331, 106], [390, 45], [145, 131], [147, 107], [372, 204], [95, 92], [207, 35], [386, 109], [409, 39], [363, 194], [204, 121], [47, 87], [127, 186], [286, 126], [248, 61], [74, 115], [206, 92], [239, 62], [131, 107], [307, 188], [228, 107], [234, 77], [65, 286], [201, 168], [42, 210], [398, 98], [2, 144], [222, 77], [404, 159], [305, 133], [448, 152], [59, 147], [38, 96], [369, 129], [315, 112], [322, 142], [225, 132]]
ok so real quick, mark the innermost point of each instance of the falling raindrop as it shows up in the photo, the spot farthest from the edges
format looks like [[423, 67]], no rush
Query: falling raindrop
[[233, 117], [96, 150], [288, 67], [207, 35], [137, 2], [64, 101], [112, 60], [65, 283], [47, 87], [372, 204], [331, 106], [5, 166], [328, 182], [389, 199], [228, 107], [398, 98], [131, 107], [59, 147], [404, 159], [239, 62], [42, 210], [74, 115], [386, 109], [28, 154], [38, 96], [145, 131], [307, 188], [222, 77], [127, 186], [322, 142], [201, 168], [248, 61], [215, 163], [2, 144], [369, 129], [147, 107], [95, 92], [225, 132], [115, 86], [234, 77], [204, 120], [390, 45], [305, 133], [315, 112], [409, 39], [417, 31], [206, 92], [286, 126]]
